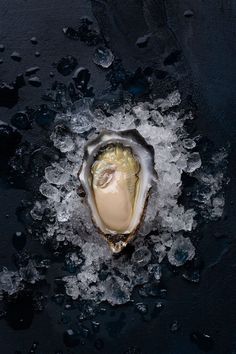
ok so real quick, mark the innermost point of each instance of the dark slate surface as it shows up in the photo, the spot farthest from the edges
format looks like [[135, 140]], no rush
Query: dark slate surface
[[205, 69]]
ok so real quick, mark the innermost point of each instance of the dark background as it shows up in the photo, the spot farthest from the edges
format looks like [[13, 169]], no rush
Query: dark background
[[206, 70]]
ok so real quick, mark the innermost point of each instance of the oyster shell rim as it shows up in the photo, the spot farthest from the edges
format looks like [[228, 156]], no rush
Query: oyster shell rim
[[132, 137]]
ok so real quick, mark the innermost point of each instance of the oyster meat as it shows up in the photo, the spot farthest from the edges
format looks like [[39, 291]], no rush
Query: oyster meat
[[117, 174]]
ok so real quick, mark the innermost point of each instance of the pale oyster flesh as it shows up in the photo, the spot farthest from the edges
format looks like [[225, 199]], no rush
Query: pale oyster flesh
[[115, 185], [117, 174]]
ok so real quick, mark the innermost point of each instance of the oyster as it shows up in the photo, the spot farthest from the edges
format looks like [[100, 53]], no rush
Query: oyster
[[117, 174]]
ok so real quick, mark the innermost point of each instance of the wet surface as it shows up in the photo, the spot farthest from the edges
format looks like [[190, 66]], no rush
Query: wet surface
[[182, 45]]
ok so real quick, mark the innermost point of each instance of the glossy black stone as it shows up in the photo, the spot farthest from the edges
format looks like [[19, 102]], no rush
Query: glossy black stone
[[66, 65], [21, 120], [8, 95], [44, 116]]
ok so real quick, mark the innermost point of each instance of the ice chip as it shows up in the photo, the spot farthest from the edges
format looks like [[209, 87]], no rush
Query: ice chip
[[72, 288], [171, 100], [141, 256], [159, 251], [194, 162], [141, 307], [50, 192], [182, 250], [10, 282], [81, 119], [29, 273], [103, 57], [155, 271], [62, 140], [56, 175], [37, 211], [117, 291]]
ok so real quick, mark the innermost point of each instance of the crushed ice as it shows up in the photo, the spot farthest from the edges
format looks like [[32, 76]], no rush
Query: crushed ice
[[13, 281], [93, 272]]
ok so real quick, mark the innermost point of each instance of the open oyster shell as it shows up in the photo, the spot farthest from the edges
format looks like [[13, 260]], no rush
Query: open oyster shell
[[117, 174]]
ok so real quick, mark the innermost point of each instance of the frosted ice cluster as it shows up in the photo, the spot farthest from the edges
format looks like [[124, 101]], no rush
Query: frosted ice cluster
[[13, 281], [165, 232]]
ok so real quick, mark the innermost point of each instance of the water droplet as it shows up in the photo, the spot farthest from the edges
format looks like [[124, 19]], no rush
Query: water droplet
[[152, 289], [21, 120], [157, 309], [188, 13], [95, 326], [39, 302], [51, 74], [174, 327], [19, 240], [159, 305], [2, 314], [71, 338], [32, 70], [132, 350], [142, 42], [203, 340], [103, 57], [35, 81], [192, 275], [9, 139], [37, 54], [98, 344], [16, 56], [1, 61], [141, 308], [33, 348], [81, 78], [33, 40], [2, 48]]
